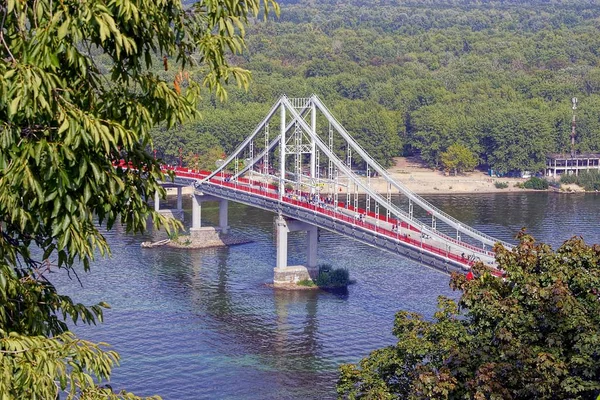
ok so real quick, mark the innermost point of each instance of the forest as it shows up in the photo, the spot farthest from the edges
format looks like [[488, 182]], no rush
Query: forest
[[416, 77]]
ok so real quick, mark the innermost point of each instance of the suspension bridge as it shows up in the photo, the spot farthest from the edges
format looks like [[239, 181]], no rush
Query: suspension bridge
[[298, 163]]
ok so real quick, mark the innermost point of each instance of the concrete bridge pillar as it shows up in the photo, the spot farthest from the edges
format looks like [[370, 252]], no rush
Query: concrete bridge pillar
[[179, 198], [223, 209], [196, 211], [282, 231], [312, 236], [171, 213], [156, 201], [283, 273]]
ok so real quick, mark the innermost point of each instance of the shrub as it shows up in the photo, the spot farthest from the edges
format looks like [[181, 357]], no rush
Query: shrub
[[589, 180], [501, 185], [536, 183], [554, 184], [568, 179], [332, 278]]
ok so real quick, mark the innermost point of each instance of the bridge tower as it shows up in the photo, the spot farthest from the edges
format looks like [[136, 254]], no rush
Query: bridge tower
[[311, 171]]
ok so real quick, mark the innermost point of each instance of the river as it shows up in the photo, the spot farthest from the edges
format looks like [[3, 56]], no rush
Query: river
[[202, 324]]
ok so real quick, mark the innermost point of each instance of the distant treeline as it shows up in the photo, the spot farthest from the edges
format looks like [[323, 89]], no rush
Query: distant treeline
[[496, 77]]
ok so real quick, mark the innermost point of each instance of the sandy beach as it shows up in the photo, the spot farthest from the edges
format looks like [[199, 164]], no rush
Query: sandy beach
[[420, 179]]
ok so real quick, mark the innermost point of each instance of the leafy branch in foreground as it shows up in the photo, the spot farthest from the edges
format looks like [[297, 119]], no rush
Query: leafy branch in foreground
[[43, 367], [534, 334], [66, 125]]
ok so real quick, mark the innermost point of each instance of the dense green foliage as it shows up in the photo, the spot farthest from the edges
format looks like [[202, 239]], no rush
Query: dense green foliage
[[332, 278], [536, 183], [458, 158], [77, 95], [407, 76], [534, 334], [589, 180]]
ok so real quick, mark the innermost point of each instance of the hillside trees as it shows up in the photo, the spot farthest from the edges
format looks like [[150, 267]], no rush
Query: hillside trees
[[448, 70], [65, 121], [534, 334], [372, 125], [458, 158], [518, 139]]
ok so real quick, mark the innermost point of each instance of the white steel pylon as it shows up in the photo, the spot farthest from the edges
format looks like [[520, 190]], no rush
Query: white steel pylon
[[299, 123]]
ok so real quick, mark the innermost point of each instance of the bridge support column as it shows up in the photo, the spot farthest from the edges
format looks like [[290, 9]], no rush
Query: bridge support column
[[169, 212], [156, 201], [179, 198], [282, 231], [196, 212], [312, 236], [223, 208], [285, 275]]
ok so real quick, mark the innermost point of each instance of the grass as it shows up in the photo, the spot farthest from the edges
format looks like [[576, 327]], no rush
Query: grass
[[306, 282]]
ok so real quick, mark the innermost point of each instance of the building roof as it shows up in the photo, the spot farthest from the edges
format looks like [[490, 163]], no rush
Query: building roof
[[567, 156]]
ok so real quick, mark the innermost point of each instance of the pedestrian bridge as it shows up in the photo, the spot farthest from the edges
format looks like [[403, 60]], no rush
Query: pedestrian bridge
[[295, 171]]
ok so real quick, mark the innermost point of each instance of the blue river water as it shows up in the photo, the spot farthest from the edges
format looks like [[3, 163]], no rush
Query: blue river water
[[203, 324]]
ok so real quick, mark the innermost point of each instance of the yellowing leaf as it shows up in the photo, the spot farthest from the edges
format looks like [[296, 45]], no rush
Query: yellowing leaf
[[63, 29]]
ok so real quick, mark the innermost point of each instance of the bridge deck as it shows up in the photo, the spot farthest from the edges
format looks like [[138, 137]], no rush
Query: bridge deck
[[361, 224]]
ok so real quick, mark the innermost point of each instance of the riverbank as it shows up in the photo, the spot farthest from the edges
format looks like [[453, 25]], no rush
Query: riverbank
[[420, 179], [415, 176]]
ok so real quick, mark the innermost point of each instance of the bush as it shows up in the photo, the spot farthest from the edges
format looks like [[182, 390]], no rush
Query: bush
[[568, 179], [554, 184], [332, 278], [589, 180], [536, 183], [501, 185]]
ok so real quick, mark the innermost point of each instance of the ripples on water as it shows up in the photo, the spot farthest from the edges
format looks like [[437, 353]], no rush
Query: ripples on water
[[202, 324]]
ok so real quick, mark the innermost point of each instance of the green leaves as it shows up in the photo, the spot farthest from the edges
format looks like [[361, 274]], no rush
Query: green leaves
[[535, 333], [66, 126], [458, 158], [47, 368]]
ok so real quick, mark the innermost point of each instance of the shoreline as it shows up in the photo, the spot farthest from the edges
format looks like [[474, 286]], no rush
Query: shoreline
[[425, 181]]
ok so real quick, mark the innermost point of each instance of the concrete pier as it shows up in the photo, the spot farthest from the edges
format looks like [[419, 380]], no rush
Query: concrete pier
[[285, 275], [176, 213], [197, 200]]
